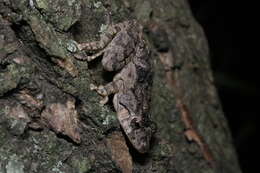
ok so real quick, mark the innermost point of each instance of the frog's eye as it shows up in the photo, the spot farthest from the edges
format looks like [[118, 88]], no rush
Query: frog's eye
[[134, 124]]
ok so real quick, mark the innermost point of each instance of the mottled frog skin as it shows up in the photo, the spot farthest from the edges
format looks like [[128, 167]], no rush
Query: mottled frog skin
[[125, 51]]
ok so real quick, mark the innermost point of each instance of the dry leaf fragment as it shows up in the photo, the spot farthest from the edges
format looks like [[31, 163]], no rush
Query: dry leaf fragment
[[62, 119]]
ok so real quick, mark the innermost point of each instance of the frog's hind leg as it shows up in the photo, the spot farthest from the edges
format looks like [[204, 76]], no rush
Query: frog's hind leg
[[91, 46], [88, 58], [105, 39], [96, 46]]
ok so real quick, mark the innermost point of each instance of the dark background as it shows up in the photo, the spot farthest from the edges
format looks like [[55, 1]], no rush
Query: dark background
[[229, 28]]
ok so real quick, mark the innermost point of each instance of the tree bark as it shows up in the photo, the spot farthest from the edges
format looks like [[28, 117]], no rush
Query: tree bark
[[50, 121]]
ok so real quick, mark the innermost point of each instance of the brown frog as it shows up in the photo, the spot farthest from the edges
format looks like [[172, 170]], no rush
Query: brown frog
[[125, 51]]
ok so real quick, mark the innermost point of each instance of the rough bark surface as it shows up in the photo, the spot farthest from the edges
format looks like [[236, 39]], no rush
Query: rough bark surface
[[50, 121]]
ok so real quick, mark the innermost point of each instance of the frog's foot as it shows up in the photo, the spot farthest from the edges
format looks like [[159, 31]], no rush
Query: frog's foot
[[101, 91]]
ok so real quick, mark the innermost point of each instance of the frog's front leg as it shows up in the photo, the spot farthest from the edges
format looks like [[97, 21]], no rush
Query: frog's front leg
[[106, 90]]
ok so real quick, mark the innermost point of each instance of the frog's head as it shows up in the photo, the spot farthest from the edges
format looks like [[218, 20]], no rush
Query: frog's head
[[140, 139]]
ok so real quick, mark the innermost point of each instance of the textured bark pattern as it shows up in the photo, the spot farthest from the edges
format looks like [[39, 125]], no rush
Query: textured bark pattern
[[38, 72]]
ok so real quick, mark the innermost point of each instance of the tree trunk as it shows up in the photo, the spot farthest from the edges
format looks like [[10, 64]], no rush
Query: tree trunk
[[50, 120]]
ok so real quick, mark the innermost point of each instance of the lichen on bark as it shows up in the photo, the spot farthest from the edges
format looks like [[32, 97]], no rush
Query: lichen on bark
[[38, 74]]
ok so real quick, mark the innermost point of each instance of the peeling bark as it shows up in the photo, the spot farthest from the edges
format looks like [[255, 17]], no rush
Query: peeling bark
[[50, 120]]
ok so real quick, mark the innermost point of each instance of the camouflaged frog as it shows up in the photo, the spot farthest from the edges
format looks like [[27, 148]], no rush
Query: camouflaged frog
[[125, 51]]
